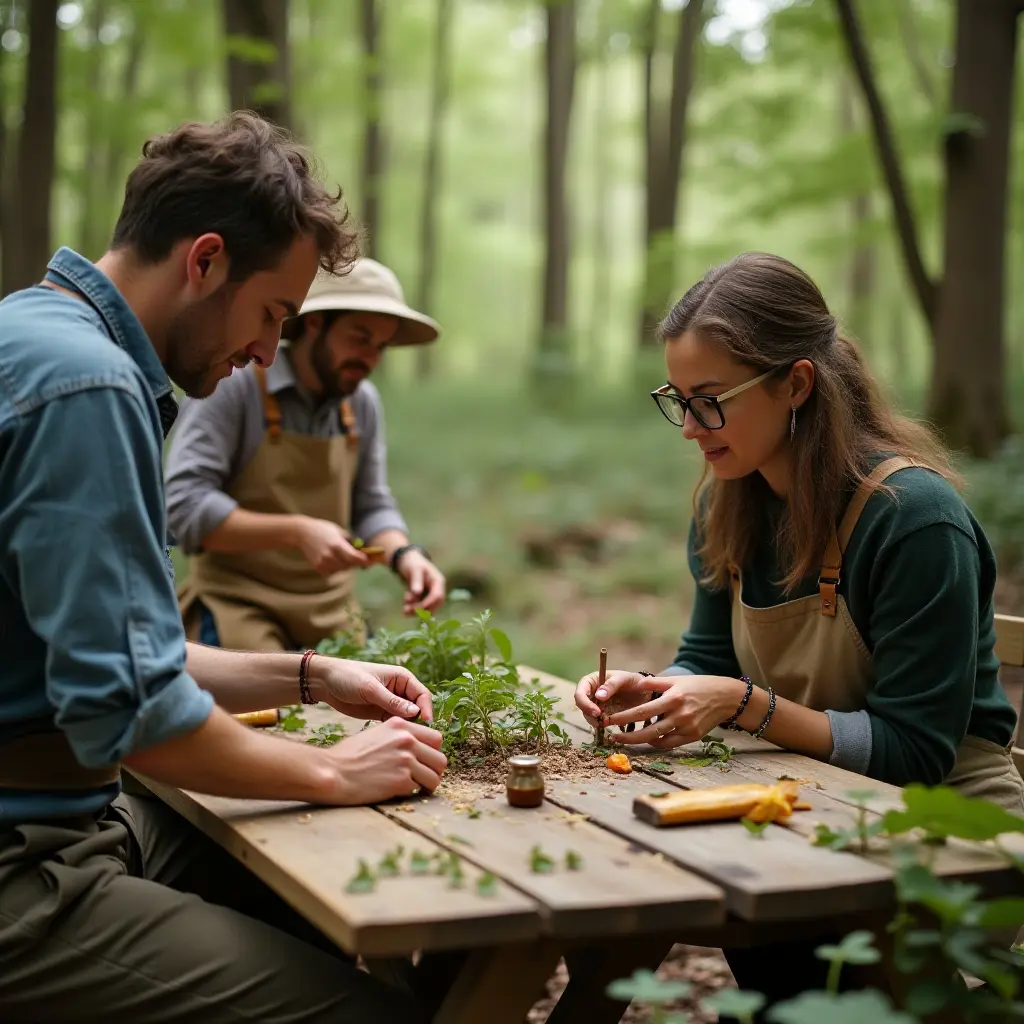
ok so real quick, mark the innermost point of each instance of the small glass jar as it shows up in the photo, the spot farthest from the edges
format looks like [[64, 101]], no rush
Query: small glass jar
[[524, 785]]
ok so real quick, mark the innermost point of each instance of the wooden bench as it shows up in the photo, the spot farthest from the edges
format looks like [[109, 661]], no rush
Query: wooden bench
[[1010, 651]]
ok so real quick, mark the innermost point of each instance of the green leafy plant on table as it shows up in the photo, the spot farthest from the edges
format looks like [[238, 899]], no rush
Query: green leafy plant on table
[[480, 701], [940, 928]]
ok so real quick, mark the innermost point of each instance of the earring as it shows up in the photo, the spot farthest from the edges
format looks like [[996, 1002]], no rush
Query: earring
[[792, 421]]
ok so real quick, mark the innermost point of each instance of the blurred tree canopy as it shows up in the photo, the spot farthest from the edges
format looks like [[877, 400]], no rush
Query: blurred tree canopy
[[547, 177]]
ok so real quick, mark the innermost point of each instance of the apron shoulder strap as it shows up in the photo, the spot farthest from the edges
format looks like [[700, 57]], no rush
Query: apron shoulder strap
[[348, 421], [271, 407], [828, 580]]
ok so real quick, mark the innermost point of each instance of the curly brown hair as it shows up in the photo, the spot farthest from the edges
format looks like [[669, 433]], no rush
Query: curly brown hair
[[242, 178], [767, 313]]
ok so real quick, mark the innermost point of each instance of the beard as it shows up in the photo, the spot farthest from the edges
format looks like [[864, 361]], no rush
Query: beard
[[332, 385], [196, 346]]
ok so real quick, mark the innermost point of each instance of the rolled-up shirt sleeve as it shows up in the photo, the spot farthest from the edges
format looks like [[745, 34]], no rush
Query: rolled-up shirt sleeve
[[203, 456], [374, 507], [82, 544]]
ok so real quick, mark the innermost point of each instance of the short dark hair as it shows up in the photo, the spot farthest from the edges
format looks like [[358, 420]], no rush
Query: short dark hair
[[240, 177]]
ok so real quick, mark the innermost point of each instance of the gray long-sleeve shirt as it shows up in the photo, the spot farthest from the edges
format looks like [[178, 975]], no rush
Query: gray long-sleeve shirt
[[216, 437]]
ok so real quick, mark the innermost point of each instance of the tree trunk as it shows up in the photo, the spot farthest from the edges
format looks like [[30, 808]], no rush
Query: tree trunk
[[560, 74], [91, 210], [116, 155], [36, 153], [924, 287], [600, 301], [259, 65], [439, 90], [862, 260], [373, 136], [968, 397], [666, 137]]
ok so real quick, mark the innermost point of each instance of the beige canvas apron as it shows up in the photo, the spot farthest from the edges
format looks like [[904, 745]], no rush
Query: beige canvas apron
[[810, 652], [274, 600]]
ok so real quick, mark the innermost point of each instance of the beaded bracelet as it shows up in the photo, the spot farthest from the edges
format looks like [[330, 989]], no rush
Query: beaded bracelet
[[768, 717], [304, 694], [730, 723]]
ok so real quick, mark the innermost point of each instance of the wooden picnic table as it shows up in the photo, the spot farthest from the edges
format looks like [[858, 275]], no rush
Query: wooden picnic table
[[639, 889]]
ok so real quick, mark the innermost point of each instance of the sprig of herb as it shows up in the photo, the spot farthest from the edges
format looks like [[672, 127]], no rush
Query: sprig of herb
[[712, 751], [327, 735]]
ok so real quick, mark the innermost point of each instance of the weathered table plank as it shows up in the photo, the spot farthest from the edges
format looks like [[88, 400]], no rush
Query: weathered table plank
[[618, 889], [308, 854], [776, 877]]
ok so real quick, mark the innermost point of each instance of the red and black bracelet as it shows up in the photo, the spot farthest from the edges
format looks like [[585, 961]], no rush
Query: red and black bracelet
[[304, 694]]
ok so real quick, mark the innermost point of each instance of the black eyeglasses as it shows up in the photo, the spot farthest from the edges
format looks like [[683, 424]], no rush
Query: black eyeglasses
[[705, 409]]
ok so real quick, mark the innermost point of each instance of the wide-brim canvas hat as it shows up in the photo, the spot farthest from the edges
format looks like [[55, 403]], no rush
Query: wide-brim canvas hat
[[370, 287]]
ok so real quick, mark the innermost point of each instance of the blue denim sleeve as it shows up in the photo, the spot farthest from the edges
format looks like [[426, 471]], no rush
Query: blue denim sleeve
[[82, 541]]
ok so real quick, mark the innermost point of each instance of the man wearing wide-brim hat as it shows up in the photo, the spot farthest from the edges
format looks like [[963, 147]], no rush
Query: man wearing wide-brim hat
[[277, 483]]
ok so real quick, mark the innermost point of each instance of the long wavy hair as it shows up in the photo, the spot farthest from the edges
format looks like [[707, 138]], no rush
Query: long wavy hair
[[767, 313]]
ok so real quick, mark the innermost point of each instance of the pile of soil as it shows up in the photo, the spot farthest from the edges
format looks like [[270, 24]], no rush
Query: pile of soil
[[473, 773]]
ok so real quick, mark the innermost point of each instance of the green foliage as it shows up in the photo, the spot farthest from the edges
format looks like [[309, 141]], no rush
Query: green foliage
[[856, 948], [942, 811], [734, 1003], [646, 987], [940, 927], [862, 831], [469, 668], [867, 1007], [533, 713]]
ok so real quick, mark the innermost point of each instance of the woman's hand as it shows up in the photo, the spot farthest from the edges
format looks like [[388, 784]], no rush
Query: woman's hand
[[682, 709], [363, 689]]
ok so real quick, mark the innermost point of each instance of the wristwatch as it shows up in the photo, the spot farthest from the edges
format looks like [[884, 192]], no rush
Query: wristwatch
[[404, 549]]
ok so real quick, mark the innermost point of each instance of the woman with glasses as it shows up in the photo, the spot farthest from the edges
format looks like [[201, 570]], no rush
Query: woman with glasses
[[844, 591]]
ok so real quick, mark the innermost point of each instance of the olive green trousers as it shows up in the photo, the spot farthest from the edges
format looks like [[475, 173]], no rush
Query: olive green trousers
[[133, 915]]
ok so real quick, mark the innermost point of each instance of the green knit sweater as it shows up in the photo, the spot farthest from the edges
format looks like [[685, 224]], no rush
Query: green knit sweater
[[918, 578]]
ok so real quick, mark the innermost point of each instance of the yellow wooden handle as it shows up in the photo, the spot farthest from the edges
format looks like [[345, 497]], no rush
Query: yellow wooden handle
[[260, 719], [719, 803]]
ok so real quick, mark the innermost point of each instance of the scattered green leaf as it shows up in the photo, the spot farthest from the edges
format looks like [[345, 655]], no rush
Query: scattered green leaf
[[540, 862], [363, 880], [487, 884], [419, 862]]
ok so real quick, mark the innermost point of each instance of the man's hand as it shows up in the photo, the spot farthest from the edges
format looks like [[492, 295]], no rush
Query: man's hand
[[326, 546], [394, 759], [425, 583], [362, 689]]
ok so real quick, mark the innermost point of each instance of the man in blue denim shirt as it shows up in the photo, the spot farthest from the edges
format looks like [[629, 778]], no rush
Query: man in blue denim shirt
[[221, 232]]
